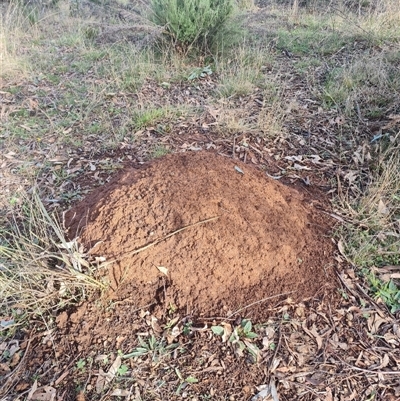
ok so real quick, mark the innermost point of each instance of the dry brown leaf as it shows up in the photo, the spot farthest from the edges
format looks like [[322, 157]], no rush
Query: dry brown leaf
[[46, 393], [382, 208], [341, 247], [4, 369], [389, 276], [163, 270], [351, 176], [274, 391], [227, 331], [32, 390], [103, 379], [317, 337], [101, 358], [80, 396], [264, 393], [15, 360], [374, 322], [352, 396], [396, 330], [155, 325], [13, 348], [120, 393], [384, 362], [274, 365], [328, 396], [256, 352], [114, 368], [313, 334]]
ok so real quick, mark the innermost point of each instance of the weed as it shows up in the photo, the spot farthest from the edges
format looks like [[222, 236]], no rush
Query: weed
[[388, 292], [240, 338], [122, 370], [148, 117], [80, 365], [244, 331], [154, 117], [153, 347], [311, 40], [306, 63], [200, 72], [184, 382], [246, 4]]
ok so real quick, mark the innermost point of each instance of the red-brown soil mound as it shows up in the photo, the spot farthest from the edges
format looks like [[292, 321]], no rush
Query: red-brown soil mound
[[266, 239]]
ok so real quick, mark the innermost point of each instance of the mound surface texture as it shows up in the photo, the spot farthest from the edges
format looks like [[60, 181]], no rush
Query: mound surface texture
[[265, 240]]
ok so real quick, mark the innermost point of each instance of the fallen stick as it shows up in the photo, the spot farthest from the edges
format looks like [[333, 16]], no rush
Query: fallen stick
[[143, 248]]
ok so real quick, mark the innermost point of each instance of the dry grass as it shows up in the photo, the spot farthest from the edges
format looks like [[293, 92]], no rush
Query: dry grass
[[376, 210], [372, 240], [15, 30], [240, 74], [367, 86], [39, 269], [381, 20]]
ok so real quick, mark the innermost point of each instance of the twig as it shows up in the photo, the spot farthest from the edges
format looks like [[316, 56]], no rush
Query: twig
[[259, 302], [276, 349], [143, 248], [383, 372], [10, 376]]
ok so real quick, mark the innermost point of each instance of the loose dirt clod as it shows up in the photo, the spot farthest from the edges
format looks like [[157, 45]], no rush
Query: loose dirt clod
[[206, 234]]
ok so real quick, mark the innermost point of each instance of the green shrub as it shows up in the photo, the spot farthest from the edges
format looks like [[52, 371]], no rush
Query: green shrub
[[192, 23]]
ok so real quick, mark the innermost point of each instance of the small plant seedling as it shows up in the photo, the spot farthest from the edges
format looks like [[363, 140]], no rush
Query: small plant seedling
[[389, 292], [151, 347], [245, 329], [343, 294], [218, 330], [122, 370], [200, 72], [241, 338], [184, 382], [187, 328], [171, 309], [160, 151], [80, 365]]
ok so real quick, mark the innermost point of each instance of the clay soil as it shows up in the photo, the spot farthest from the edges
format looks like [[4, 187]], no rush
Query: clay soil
[[206, 235]]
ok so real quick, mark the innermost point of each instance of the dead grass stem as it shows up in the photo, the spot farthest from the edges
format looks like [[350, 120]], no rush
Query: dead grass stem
[[39, 269]]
